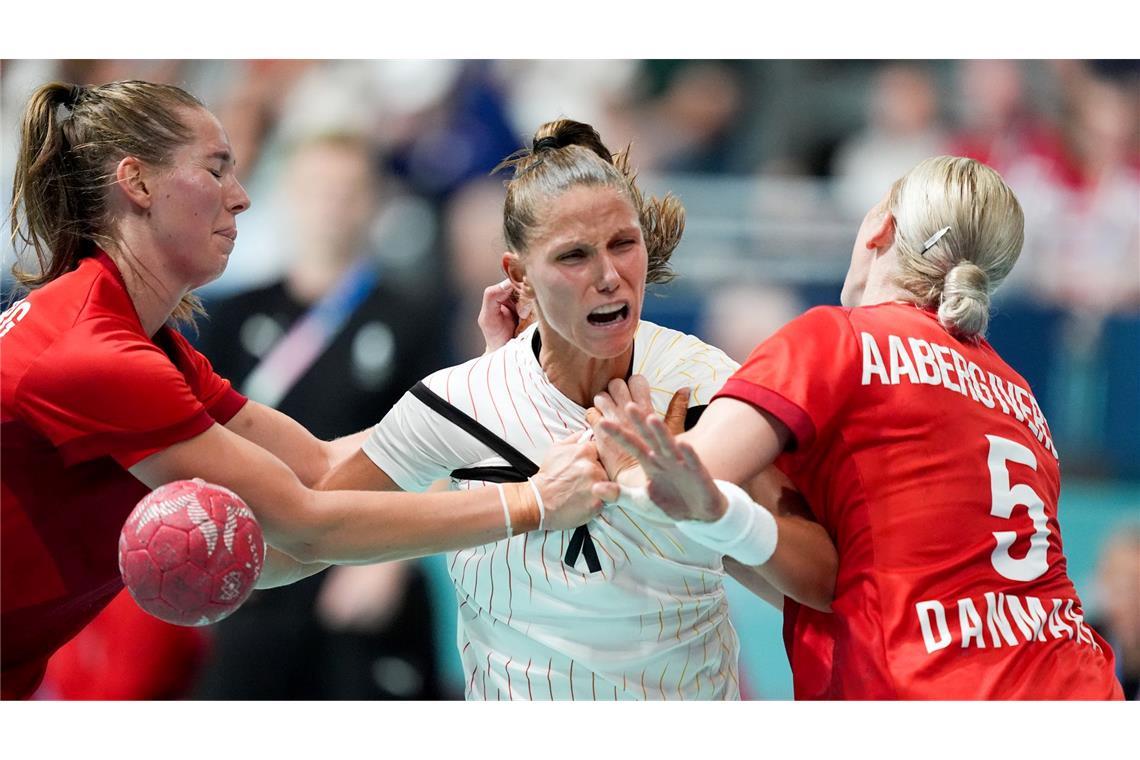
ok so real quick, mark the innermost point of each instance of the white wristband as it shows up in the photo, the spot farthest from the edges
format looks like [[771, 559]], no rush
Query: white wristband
[[746, 531], [506, 510], [541, 506]]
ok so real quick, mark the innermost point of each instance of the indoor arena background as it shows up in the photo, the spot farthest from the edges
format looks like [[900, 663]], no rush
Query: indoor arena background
[[775, 161]]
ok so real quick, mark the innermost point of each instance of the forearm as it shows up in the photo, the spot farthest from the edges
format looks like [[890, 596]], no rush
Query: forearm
[[357, 527], [280, 569], [305, 454], [754, 581], [354, 527], [805, 561], [802, 567]]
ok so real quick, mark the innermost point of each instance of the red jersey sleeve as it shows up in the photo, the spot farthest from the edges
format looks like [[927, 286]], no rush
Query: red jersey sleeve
[[803, 374], [214, 391], [117, 394]]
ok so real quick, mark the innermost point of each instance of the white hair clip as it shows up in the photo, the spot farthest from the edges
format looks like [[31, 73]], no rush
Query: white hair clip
[[930, 241]]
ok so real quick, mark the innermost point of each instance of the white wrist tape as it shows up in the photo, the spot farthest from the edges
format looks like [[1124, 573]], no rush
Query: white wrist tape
[[506, 510], [746, 532], [541, 505]]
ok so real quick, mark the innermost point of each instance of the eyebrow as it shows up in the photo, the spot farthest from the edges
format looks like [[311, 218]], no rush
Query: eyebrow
[[224, 156]]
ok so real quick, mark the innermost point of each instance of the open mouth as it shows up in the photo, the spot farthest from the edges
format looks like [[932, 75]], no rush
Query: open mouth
[[608, 315]]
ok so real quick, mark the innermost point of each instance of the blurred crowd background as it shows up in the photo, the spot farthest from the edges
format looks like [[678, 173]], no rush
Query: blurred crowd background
[[373, 200]]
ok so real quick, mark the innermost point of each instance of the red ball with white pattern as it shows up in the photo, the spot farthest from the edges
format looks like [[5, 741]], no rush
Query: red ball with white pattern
[[191, 552]]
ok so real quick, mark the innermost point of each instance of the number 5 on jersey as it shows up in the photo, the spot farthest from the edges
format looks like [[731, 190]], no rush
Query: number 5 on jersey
[[1004, 499]]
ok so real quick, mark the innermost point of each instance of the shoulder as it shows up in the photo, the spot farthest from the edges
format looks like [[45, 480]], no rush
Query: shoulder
[[672, 359], [829, 318], [100, 351]]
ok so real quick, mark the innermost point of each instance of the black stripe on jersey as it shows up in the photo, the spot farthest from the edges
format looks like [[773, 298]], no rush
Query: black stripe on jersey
[[490, 474], [520, 468], [693, 414], [462, 420]]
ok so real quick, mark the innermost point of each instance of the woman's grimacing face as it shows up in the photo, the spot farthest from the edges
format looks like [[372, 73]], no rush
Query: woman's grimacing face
[[196, 201], [586, 264]]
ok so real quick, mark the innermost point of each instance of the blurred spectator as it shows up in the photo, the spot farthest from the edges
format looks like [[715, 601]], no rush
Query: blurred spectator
[[460, 139], [334, 344], [740, 317], [597, 92], [473, 242], [902, 129], [1118, 591], [1087, 248], [125, 653], [1000, 126], [689, 126]]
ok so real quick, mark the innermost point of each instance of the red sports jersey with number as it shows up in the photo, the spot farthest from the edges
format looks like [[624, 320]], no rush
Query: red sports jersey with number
[[932, 467], [85, 395]]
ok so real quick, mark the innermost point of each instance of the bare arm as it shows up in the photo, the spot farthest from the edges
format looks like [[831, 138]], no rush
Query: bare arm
[[736, 442], [355, 473], [805, 561], [292, 443], [355, 527]]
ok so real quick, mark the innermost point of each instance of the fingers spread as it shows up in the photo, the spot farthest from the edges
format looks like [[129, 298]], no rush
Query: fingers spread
[[626, 439]]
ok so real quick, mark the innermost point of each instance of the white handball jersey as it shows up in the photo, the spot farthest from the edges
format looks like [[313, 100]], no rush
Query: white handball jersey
[[652, 623]]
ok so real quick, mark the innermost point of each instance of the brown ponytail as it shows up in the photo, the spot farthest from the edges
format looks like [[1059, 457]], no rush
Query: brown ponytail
[[71, 139], [566, 153]]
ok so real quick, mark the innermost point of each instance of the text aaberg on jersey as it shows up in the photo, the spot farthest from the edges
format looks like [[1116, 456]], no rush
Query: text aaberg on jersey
[[924, 362]]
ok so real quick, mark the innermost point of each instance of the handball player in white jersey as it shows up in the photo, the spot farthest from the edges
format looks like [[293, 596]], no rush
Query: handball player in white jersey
[[627, 606]]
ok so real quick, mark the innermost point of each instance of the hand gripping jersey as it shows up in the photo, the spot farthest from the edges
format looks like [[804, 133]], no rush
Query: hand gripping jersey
[[933, 468], [86, 395], [650, 623]]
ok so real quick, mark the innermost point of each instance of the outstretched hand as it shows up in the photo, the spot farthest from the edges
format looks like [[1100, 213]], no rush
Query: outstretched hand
[[676, 480]]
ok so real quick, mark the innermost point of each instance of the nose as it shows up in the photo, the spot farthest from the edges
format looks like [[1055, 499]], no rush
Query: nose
[[608, 277], [238, 200]]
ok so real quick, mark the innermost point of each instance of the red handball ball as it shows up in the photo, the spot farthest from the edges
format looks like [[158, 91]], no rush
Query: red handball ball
[[191, 552]]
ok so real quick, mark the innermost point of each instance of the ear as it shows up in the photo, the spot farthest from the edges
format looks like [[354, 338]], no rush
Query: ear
[[883, 235], [131, 177], [515, 270]]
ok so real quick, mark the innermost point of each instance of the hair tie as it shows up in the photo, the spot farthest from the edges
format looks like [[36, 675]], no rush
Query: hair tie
[[930, 241], [546, 143], [71, 97]]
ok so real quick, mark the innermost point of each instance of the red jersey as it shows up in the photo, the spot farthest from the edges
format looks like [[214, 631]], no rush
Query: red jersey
[[85, 395], [932, 467]]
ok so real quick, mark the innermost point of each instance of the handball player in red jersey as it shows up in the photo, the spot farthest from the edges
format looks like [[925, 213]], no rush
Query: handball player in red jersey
[[923, 454], [127, 194]]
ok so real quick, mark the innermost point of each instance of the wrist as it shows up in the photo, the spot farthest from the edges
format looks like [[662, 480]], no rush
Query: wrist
[[630, 476], [719, 509], [523, 504], [744, 531]]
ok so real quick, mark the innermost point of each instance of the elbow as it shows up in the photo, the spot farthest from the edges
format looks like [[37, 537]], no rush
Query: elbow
[[822, 592], [300, 532], [305, 552]]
